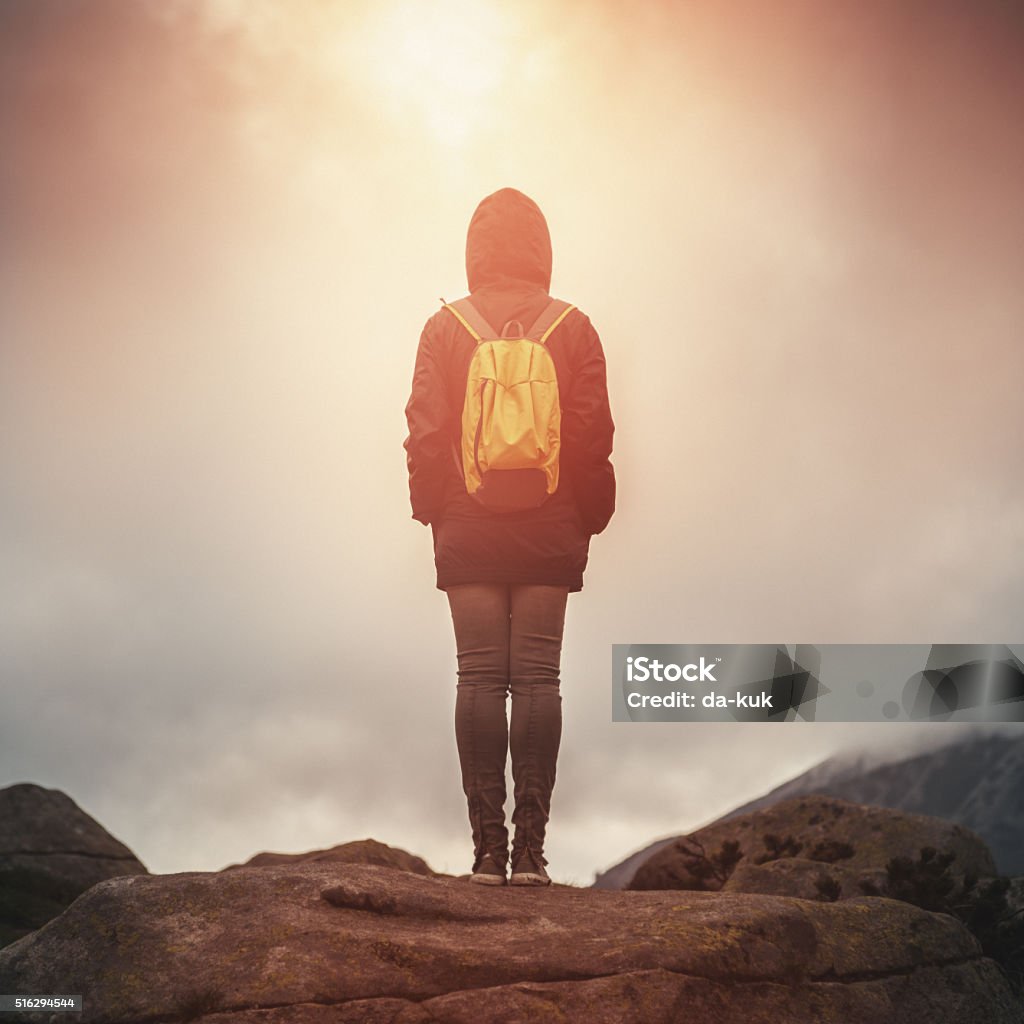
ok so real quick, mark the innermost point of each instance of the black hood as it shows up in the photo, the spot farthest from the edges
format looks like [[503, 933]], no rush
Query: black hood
[[508, 238]]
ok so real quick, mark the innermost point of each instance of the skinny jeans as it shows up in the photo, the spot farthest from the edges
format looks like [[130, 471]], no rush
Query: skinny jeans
[[509, 643]]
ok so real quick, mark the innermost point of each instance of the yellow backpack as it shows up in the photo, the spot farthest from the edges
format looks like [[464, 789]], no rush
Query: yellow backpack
[[511, 417]]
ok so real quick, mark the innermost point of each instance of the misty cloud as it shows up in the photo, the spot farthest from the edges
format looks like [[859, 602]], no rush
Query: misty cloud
[[797, 234]]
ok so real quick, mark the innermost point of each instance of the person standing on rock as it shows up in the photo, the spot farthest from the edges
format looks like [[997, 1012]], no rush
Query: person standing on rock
[[510, 434]]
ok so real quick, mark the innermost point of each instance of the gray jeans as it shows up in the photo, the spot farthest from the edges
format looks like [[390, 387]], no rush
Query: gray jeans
[[509, 641]]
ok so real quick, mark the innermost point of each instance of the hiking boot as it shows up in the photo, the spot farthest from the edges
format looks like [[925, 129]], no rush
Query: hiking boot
[[488, 872], [528, 869]]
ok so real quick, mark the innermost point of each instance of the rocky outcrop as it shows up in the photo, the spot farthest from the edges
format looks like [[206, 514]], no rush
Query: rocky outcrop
[[308, 943], [804, 879], [50, 852], [362, 851], [977, 782], [796, 846], [619, 875]]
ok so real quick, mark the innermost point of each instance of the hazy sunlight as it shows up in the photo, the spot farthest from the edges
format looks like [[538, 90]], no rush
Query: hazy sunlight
[[442, 64]]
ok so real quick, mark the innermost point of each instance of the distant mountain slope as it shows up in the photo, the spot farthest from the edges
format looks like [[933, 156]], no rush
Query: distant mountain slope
[[976, 782]]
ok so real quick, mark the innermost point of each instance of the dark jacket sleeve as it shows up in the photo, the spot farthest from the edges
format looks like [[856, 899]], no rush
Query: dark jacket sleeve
[[587, 430], [428, 446]]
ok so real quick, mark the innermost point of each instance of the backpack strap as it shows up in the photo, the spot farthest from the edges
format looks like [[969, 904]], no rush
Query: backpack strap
[[550, 318], [466, 313]]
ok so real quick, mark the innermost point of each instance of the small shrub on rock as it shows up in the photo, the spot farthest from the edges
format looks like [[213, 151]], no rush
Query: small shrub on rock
[[830, 851], [705, 866], [983, 908], [776, 848], [926, 882]]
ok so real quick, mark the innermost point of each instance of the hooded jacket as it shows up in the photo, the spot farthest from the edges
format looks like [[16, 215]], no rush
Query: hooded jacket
[[508, 268]]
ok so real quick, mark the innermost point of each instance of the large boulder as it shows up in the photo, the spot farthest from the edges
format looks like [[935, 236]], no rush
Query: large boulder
[[976, 781], [805, 879], [316, 942], [808, 846], [361, 851], [50, 852]]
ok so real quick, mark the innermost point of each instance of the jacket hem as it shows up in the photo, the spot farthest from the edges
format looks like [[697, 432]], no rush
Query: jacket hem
[[574, 581]]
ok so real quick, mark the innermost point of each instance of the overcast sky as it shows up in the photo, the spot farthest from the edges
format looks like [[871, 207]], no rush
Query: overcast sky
[[798, 229]]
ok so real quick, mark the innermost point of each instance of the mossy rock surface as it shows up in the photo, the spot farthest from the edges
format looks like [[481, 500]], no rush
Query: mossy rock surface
[[848, 840], [362, 851], [805, 879], [324, 941], [51, 851]]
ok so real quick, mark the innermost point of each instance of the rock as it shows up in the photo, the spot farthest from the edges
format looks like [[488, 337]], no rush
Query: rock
[[318, 942], [805, 879], [976, 782], [50, 852], [844, 841], [619, 875], [1015, 895], [363, 851]]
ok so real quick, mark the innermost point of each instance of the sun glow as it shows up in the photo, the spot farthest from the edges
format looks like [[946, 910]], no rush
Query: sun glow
[[442, 64]]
